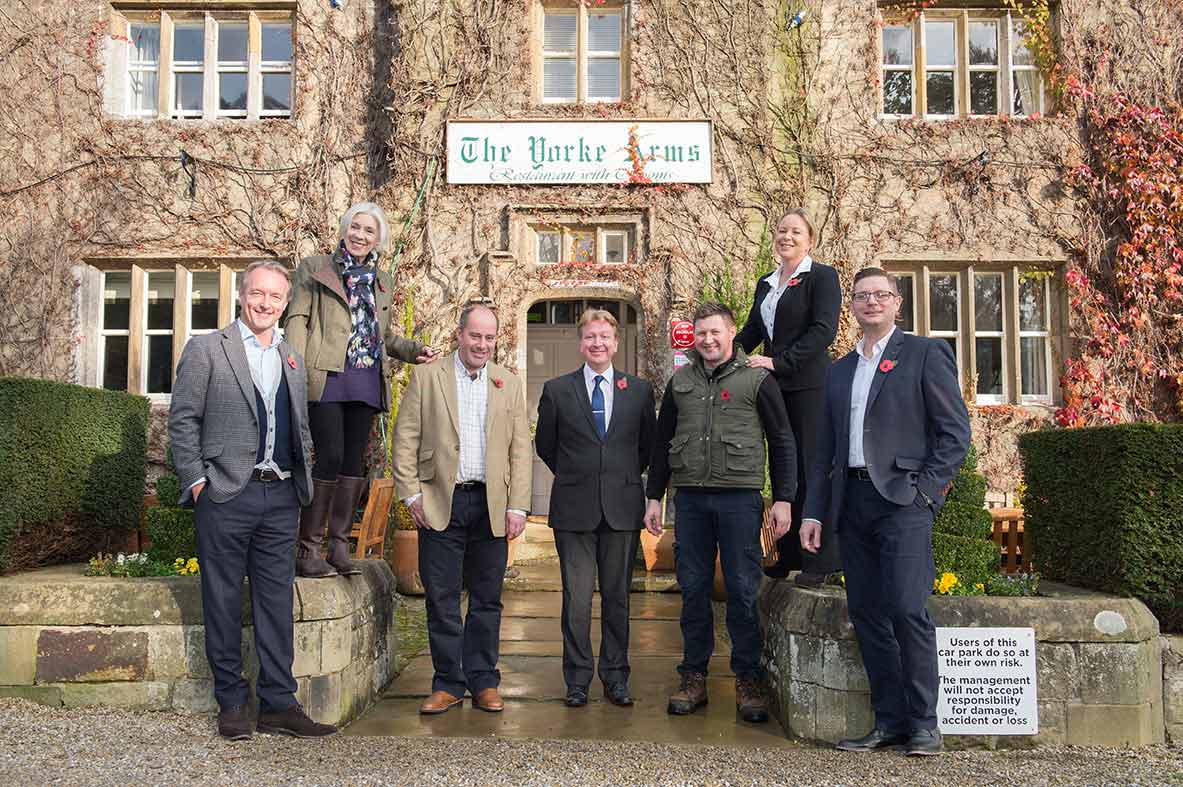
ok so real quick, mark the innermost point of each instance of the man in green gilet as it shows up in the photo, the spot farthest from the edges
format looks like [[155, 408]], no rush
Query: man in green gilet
[[715, 417]]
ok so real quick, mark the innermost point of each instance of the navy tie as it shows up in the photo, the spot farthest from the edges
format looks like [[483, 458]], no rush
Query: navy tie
[[598, 408]]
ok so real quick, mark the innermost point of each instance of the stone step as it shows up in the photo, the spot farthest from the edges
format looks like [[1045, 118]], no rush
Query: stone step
[[536, 544], [545, 577]]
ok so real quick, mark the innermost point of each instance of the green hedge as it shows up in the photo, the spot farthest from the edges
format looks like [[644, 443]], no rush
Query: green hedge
[[1104, 510], [72, 463], [171, 533], [961, 533]]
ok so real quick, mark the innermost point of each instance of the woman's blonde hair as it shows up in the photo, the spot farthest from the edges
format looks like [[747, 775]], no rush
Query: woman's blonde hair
[[801, 214]]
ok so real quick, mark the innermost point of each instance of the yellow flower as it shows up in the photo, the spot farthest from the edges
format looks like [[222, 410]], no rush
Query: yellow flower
[[947, 582], [979, 587]]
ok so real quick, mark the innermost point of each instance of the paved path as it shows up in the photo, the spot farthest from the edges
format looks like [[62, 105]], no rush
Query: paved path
[[532, 682]]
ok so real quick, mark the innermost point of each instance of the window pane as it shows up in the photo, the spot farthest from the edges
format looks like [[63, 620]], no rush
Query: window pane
[[603, 32], [612, 307], [277, 92], [988, 302], [1033, 363], [942, 302], [204, 298], [897, 46], [983, 43], [952, 342], [558, 78], [189, 88], [583, 247], [563, 312], [940, 49], [536, 313], [160, 364], [232, 42], [560, 33], [983, 93], [116, 301], [277, 42], [1020, 55], [161, 290], [189, 43], [940, 93], [989, 360], [603, 78], [550, 247], [115, 363], [907, 319], [615, 247], [145, 42], [897, 93], [1032, 304], [1026, 92], [143, 90], [232, 91]]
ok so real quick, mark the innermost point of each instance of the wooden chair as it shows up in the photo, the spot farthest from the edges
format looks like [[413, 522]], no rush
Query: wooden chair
[[1009, 536], [371, 531]]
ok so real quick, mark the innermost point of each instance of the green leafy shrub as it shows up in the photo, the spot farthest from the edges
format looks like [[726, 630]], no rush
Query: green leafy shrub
[[1103, 509], [72, 464], [171, 533], [961, 533], [168, 490]]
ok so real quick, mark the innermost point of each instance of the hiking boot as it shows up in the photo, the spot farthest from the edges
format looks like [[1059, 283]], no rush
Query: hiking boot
[[690, 696], [749, 701], [309, 563]]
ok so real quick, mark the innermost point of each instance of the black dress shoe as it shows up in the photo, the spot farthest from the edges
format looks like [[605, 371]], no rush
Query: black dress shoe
[[875, 739], [617, 694], [576, 697], [809, 579], [295, 722], [236, 723], [925, 743]]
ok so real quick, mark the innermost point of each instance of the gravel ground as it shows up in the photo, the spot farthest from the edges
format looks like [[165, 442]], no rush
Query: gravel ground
[[44, 746]]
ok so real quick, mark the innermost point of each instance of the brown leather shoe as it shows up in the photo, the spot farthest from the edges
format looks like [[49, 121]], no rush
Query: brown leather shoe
[[488, 700], [439, 702]]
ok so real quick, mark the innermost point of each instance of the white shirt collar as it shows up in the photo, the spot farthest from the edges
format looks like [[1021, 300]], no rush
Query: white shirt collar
[[589, 374], [879, 345], [462, 370], [249, 335], [804, 267]]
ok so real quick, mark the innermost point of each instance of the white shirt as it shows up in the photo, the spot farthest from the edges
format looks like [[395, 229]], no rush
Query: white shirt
[[860, 389], [472, 397], [606, 387], [768, 305]]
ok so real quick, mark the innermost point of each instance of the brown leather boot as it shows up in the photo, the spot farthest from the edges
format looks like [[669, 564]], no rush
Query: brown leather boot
[[309, 563], [749, 701], [691, 696], [349, 489]]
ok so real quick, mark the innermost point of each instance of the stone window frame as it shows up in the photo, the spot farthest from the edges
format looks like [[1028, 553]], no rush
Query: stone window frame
[[569, 233], [94, 277], [208, 16], [916, 276], [1008, 38], [527, 222], [581, 11]]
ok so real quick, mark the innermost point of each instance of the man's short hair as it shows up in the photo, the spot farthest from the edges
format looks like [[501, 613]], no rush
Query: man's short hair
[[867, 273], [597, 315], [472, 306], [264, 265], [714, 309]]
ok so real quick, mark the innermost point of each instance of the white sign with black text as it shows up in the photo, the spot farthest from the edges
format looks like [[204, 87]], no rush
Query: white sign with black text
[[987, 681]]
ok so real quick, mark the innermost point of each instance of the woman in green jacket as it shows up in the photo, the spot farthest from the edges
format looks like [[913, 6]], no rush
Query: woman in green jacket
[[339, 321]]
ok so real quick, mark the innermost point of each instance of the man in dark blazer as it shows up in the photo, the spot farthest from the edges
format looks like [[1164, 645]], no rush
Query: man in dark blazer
[[238, 425], [894, 434], [595, 430]]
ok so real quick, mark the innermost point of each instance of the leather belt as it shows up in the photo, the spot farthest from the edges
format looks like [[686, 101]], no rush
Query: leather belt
[[264, 474], [860, 473], [470, 484]]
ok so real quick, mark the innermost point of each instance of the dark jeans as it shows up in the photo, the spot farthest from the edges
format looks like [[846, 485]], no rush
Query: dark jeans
[[464, 652], [887, 556], [251, 535], [806, 409], [610, 555], [730, 523], [340, 435]]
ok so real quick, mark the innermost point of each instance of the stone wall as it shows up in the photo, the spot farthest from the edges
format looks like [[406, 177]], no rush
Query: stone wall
[[67, 639], [1172, 688], [1099, 663]]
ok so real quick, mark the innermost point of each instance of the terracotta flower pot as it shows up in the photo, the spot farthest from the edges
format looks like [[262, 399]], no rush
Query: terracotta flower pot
[[658, 550], [406, 562]]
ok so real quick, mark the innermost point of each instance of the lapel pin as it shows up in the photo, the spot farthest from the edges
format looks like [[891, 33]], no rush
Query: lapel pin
[[887, 365], [622, 383], [498, 382], [292, 361]]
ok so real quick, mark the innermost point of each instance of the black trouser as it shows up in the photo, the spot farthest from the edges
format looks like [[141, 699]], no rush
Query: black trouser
[[887, 556], [251, 535], [582, 555], [340, 435], [464, 652], [806, 409]]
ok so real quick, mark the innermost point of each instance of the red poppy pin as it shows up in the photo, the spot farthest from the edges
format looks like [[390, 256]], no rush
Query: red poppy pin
[[725, 395], [498, 382], [887, 365], [292, 361], [793, 282], [622, 383]]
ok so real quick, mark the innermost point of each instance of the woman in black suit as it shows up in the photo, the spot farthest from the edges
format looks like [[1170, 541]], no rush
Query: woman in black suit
[[795, 316]]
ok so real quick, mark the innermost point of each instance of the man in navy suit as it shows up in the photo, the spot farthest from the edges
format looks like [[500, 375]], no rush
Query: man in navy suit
[[894, 434], [595, 431]]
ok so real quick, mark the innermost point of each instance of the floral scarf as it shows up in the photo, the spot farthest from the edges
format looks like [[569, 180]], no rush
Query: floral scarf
[[364, 348]]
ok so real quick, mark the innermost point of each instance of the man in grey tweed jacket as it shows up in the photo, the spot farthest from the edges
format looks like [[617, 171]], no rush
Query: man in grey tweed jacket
[[238, 424]]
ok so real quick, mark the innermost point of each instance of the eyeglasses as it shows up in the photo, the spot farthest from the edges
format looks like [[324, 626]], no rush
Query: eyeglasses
[[879, 295]]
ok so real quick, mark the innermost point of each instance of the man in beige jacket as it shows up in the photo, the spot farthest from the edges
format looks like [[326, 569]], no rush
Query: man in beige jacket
[[462, 464]]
